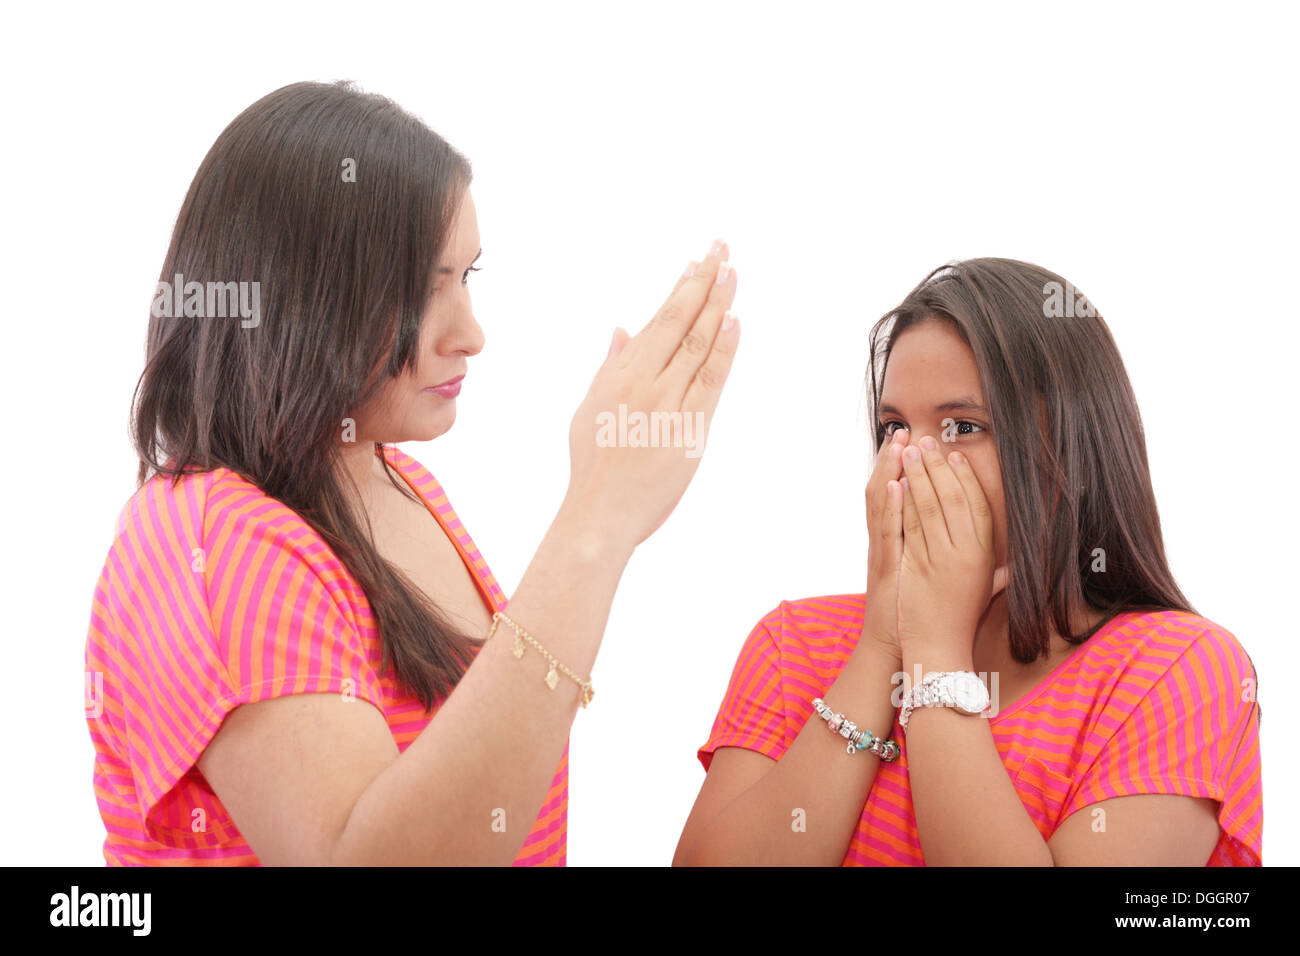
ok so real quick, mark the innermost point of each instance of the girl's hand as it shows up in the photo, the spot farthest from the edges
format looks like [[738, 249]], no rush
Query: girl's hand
[[669, 376], [885, 545], [947, 575]]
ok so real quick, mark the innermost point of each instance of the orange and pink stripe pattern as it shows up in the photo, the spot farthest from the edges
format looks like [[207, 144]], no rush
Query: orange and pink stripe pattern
[[1154, 702], [213, 595]]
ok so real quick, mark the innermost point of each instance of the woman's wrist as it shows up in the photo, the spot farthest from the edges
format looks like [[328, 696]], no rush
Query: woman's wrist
[[588, 536]]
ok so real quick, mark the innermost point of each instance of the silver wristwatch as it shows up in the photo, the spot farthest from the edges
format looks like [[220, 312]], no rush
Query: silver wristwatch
[[962, 690]]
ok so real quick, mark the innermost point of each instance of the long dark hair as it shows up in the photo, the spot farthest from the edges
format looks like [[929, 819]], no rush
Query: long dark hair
[[1069, 440], [337, 203]]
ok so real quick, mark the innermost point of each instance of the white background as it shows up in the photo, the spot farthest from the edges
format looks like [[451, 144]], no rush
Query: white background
[[1145, 152]]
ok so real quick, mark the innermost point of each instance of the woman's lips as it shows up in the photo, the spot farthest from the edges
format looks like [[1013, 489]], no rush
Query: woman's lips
[[449, 389]]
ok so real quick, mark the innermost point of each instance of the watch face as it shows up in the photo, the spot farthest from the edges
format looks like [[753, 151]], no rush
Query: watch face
[[970, 692]]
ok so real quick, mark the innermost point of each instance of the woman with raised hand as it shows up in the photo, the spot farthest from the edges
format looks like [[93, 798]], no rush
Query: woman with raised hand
[[288, 636], [1023, 682]]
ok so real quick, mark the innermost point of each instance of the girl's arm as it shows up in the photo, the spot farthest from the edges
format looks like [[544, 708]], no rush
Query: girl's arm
[[967, 810], [747, 809], [748, 806]]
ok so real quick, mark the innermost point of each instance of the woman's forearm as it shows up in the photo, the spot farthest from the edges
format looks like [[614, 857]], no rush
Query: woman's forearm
[[468, 789], [816, 776]]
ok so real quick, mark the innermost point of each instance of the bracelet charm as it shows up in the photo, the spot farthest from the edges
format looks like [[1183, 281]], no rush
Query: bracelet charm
[[858, 739], [552, 674]]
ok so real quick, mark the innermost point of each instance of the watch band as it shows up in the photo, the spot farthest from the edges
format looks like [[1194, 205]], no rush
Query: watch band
[[934, 690]]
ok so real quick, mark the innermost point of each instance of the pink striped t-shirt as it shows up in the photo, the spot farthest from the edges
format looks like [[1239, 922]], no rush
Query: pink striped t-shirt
[[1154, 702], [215, 595]]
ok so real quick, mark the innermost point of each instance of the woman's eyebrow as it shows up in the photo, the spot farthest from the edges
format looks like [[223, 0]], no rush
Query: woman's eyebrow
[[964, 403], [447, 270]]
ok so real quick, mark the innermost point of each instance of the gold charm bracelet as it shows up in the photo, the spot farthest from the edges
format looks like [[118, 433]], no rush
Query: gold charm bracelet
[[552, 678]]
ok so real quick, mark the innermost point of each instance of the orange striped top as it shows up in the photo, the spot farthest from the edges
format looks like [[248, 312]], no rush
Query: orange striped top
[[1154, 702], [213, 595]]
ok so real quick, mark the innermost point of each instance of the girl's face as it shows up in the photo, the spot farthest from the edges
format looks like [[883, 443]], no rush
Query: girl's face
[[932, 387], [413, 407]]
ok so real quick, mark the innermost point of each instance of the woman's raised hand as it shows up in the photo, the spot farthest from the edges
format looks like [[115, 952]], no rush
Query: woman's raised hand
[[636, 439]]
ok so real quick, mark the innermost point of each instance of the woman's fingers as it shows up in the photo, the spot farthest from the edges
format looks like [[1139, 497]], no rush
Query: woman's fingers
[[695, 349], [617, 344], [661, 337], [706, 386]]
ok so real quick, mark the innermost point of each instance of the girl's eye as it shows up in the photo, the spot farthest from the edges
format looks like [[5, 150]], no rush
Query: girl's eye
[[962, 427], [465, 279], [972, 426]]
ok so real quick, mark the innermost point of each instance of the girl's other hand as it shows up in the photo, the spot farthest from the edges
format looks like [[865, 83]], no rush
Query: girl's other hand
[[948, 573], [884, 545]]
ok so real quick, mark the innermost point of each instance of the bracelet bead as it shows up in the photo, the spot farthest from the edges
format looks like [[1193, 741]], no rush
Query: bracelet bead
[[859, 739]]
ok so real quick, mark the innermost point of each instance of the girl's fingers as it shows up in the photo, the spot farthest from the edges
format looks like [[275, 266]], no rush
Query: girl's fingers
[[888, 467], [928, 507], [950, 494], [891, 531], [913, 529], [976, 501], [1001, 578]]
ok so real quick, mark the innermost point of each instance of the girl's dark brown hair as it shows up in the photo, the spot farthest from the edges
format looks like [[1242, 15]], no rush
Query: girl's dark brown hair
[[343, 265], [1069, 440]]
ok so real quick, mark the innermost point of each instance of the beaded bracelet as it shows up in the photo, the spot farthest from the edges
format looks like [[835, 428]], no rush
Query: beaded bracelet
[[886, 750], [552, 678]]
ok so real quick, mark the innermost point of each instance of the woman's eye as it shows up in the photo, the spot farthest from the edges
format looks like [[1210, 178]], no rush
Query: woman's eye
[[465, 278]]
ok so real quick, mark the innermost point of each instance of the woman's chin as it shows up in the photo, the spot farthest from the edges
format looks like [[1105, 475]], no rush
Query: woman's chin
[[429, 427]]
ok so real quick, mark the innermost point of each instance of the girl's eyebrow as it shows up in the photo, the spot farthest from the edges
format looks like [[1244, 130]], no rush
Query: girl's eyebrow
[[964, 403], [447, 270]]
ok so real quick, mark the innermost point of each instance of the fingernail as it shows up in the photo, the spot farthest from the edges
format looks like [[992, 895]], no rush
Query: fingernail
[[956, 458], [928, 443], [911, 453], [690, 269], [728, 321], [715, 249], [724, 270]]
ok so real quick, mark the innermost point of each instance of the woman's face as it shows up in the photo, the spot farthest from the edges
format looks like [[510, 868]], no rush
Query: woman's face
[[932, 387], [413, 407]]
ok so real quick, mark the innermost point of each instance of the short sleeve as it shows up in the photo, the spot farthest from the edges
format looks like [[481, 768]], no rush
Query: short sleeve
[[752, 714], [1195, 732], [238, 605]]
